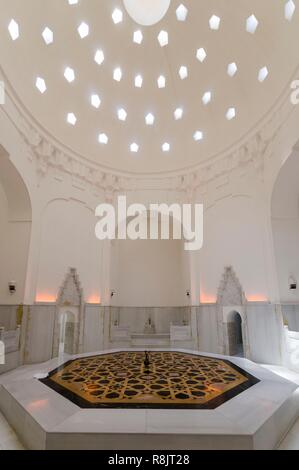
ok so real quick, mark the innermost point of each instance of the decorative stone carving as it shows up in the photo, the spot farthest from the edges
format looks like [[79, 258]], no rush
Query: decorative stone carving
[[230, 291], [70, 295], [70, 292], [231, 297]]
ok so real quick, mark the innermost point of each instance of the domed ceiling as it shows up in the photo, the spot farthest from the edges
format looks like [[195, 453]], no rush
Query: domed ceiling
[[149, 99]]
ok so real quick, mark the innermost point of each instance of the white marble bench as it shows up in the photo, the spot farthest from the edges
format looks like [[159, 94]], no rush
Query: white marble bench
[[120, 333], [9, 349], [180, 332]]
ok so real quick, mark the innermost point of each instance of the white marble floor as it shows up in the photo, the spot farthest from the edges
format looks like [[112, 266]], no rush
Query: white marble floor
[[10, 441], [291, 441], [8, 438]]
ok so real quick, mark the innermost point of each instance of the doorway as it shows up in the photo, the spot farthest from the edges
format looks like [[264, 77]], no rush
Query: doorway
[[67, 333], [234, 335]]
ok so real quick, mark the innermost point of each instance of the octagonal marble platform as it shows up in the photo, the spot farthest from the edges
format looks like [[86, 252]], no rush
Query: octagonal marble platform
[[257, 418]]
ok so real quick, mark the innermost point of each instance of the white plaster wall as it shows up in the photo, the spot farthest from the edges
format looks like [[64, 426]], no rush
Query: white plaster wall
[[233, 236], [285, 226], [286, 242], [14, 246], [148, 273], [68, 240]]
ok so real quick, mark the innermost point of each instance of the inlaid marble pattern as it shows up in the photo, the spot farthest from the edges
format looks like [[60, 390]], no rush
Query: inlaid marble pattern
[[164, 380]]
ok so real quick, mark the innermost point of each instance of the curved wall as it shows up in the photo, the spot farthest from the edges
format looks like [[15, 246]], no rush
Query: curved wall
[[285, 224], [15, 229]]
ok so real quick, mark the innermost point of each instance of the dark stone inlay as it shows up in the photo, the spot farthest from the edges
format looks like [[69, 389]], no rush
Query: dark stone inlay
[[169, 380]]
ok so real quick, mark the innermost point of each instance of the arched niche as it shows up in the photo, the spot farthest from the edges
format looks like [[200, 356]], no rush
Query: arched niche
[[69, 321], [67, 324], [235, 332], [15, 230], [232, 318], [149, 273]]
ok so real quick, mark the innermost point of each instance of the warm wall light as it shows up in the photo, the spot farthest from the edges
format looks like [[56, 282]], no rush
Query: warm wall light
[[45, 298], [207, 299], [94, 300], [256, 298]]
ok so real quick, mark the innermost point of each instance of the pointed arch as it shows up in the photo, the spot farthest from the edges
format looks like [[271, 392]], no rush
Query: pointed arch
[[70, 300], [71, 292], [230, 291]]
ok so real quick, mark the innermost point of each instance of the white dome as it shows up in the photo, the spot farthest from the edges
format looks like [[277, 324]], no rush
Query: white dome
[[90, 60], [147, 12]]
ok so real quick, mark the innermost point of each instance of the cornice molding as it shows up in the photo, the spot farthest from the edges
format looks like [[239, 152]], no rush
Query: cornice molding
[[51, 156]]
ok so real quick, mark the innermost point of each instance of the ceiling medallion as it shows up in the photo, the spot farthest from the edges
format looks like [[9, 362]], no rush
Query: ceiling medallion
[[147, 12]]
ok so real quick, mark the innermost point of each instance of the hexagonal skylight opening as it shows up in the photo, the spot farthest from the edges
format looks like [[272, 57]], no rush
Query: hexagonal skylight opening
[[183, 72], [163, 38], [103, 139], [231, 114], [14, 30], [178, 114], [41, 85], [117, 16], [71, 119], [198, 136], [207, 97], [138, 81], [181, 13], [138, 37], [215, 22], [263, 74], [95, 101], [289, 10], [99, 57], [166, 147], [232, 69], [149, 119], [134, 147], [117, 74], [69, 74], [251, 24], [201, 54], [122, 114], [48, 36], [161, 81], [83, 30]]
